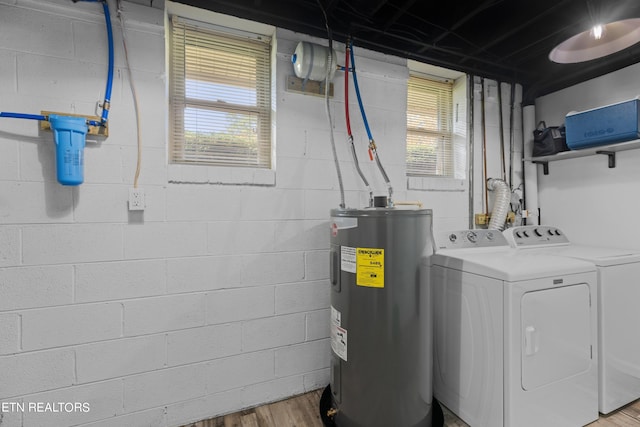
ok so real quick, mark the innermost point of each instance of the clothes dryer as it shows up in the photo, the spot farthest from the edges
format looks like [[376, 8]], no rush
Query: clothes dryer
[[618, 314], [515, 338]]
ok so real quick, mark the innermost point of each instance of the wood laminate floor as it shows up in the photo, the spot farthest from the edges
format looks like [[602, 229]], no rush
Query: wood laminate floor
[[302, 411]]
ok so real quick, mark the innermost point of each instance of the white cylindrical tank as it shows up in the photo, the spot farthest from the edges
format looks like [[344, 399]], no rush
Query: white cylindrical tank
[[310, 61]]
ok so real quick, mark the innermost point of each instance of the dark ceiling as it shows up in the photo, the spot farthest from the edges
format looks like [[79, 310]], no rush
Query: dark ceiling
[[507, 40]]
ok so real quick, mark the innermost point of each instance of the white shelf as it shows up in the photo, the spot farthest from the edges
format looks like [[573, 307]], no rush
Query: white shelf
[[608, 150]]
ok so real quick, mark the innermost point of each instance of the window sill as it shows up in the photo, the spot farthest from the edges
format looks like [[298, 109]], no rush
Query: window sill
[[220, 175], [435, 184]]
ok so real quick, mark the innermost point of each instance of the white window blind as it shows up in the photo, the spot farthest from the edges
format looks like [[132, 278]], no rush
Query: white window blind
[[220, 96], [429, 128]]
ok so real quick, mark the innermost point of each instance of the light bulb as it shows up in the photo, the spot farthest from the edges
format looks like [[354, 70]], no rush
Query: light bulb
[[596, 31]]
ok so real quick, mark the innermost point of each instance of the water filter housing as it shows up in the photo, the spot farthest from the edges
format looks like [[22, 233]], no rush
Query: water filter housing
[[69, 135]]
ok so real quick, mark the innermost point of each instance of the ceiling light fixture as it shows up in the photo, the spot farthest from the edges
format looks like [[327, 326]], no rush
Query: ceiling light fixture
[[599, 41]]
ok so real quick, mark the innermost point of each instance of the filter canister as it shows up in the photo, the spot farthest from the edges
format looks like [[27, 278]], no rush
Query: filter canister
[[69, 135]]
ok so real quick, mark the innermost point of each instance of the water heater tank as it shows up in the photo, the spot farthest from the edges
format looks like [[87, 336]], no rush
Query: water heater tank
[[381, 319], [310, 61]]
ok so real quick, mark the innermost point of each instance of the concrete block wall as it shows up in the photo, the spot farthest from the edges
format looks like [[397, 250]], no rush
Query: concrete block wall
[[216, 297]]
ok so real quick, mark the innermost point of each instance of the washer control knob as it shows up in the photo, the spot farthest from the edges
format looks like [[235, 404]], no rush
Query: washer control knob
[[558, 232], [518, 235], [525, 234], [472, 236], [490, 235], [452, 237], [550, 232], [538, 232]]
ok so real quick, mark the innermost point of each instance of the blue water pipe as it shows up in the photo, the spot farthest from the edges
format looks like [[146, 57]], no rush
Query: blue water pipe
[[373, 151], [23, 116], [107, 94], [357, 88]]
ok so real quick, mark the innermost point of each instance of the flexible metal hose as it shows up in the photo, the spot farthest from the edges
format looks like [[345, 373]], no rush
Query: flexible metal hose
[[330, 120], [373, 152]]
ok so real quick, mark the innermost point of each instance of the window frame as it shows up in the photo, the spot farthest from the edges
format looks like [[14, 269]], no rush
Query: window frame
[[190, 172], [460, 128], [442, 133]]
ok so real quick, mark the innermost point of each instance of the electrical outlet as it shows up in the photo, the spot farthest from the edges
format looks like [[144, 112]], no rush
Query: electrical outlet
[[136, 199]]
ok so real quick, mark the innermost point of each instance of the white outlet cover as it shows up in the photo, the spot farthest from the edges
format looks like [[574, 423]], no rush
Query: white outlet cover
[[137, 200]]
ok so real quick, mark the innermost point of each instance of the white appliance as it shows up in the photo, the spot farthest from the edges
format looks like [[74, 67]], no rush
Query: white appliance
[[515, 342], [618, 314]]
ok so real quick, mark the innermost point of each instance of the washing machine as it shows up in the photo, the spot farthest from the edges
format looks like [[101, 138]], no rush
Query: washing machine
[[618, 315], [515, 340]]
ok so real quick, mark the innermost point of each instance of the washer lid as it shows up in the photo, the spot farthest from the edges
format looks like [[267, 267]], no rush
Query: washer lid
[[511, 265], [602, 257]]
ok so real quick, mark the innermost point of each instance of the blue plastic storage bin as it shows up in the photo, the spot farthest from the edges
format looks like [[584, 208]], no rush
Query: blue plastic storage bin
[[69, 135], [603, 125]]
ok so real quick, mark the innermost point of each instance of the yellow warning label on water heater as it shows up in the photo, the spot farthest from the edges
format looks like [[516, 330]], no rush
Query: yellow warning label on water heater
[[370, 267]]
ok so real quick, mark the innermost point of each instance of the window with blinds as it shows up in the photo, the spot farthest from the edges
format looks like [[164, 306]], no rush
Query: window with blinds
[[429, 128], [220, 95]]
